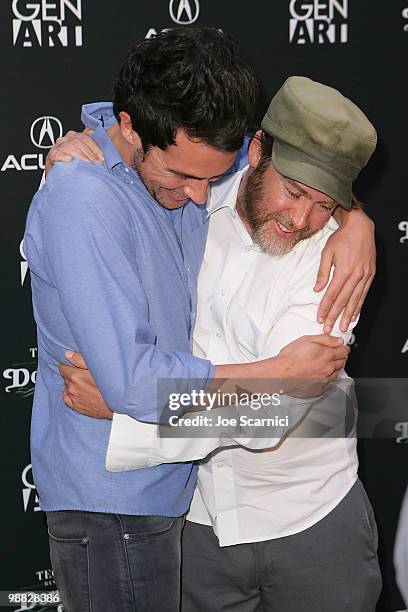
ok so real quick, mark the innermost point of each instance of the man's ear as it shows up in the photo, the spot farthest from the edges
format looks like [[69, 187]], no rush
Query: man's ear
[[128, 132], [255, 149]]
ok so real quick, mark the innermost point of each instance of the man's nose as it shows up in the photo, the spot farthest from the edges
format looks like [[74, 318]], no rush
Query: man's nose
[[197, 190], [299, 215]]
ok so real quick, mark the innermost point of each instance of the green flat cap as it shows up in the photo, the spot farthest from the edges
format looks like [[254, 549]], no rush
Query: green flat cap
[[321, 138]]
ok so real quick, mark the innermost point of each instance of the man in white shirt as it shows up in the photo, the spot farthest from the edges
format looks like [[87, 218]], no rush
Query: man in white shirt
[[290, 528]]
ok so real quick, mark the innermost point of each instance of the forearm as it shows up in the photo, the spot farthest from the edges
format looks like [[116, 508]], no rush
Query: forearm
[[355, 214], [134, 445], [228, 375]]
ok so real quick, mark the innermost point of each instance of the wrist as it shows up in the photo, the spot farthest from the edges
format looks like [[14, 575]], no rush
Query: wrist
[[357, 216], [274, 367], [355, 203], [345, 217], [338, 215], [352, 217], [282, 364]]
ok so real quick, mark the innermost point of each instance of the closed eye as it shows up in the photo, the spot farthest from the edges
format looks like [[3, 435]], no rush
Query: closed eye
[[292, 194], [326, 207]]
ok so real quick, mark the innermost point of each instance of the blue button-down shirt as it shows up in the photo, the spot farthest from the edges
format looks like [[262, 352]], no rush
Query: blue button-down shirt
[[113, 276]]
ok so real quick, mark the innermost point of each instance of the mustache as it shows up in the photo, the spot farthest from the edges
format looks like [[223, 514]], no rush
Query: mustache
[[284, 220]]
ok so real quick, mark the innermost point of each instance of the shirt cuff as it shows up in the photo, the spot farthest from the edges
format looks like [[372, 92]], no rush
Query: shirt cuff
[[131, 444]]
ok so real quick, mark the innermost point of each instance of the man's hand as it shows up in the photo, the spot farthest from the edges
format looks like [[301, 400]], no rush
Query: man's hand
[[317, 357], [80, 391], [303, 368], [74, 144], [351, 250]]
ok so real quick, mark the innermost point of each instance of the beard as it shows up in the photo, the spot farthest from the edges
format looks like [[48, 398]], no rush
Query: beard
[[262, 222], [137, 158]]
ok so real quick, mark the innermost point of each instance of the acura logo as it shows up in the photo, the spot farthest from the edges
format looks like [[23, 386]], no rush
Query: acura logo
[[184, 12], [45, 131]]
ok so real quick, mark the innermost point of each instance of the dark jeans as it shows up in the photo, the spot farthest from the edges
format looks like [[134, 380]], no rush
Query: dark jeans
[[115, 562], [330, 567]]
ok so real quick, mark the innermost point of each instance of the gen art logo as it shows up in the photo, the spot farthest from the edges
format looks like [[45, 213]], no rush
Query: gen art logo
[[314, 21], [42, 23]]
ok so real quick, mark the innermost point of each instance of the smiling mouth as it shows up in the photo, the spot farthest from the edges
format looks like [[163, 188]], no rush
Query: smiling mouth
[[177, 196], [283, 229]]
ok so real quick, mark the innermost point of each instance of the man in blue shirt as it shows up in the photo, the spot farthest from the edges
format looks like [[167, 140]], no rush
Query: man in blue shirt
[[114, 251]]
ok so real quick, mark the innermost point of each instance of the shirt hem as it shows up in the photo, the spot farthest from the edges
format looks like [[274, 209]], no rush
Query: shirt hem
[[288, 532], [113, 510], [200, 521]]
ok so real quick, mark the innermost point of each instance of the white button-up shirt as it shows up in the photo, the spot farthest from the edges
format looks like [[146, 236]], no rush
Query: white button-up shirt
[[251, 305]]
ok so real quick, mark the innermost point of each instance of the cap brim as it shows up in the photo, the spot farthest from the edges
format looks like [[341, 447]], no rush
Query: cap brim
[[298, 166]]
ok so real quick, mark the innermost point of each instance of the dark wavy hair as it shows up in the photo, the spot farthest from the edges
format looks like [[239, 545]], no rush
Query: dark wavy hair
[[192, 79]]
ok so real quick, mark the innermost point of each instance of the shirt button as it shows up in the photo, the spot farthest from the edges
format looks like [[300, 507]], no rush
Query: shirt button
[[220, 464], [126, 169], [219, 335], [223, 292], [248, 248]]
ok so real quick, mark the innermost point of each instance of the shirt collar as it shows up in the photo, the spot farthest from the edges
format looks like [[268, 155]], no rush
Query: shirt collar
[[98, 113], [110, 153], [224, 193]]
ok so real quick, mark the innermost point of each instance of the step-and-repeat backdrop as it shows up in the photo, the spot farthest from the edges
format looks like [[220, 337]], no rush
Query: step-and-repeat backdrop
[[58, 54]]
